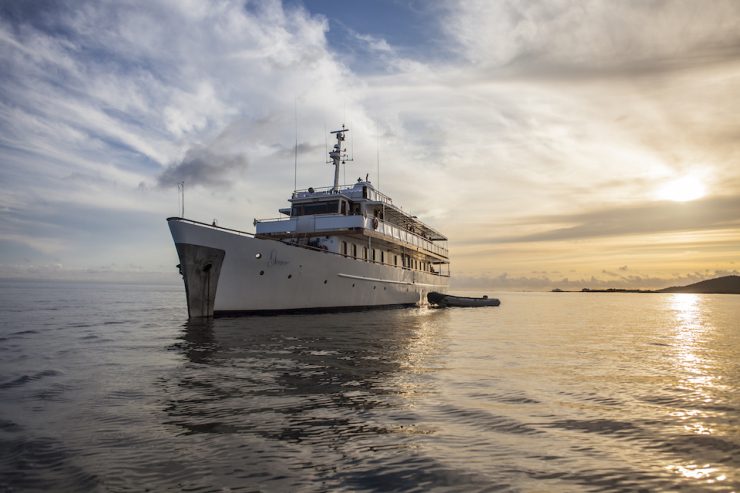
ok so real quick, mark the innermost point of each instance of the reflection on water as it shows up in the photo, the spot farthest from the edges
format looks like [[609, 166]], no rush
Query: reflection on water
[[319, 393], [549, 392], [698, 378], [690, 333]]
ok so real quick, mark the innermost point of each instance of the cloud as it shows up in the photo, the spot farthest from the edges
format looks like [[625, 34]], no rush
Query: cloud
[[101, 101], [374, 43], [518, 122], [203, 167], [646, 218], [592, 36], [304, 149]]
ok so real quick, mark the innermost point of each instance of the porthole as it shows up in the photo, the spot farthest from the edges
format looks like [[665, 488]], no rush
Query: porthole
[[258, 255], [262, 273], [290, 275], [324, 281]]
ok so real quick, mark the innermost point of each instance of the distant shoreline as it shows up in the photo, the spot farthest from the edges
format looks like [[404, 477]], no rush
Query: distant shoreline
[[719, 285], [608, 290]]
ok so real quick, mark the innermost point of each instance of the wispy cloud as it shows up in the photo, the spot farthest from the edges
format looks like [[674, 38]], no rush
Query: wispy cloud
[[647, 218], [592, 36]]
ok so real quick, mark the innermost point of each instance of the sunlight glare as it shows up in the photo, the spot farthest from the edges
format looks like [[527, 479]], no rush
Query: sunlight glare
[[682, 190]]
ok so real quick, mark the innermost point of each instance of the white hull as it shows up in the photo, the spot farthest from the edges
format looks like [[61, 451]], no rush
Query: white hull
[[264, 275]]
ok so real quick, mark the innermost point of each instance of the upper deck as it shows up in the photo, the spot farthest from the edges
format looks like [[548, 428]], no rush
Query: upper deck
[[359, 190], [358, 209], [330, 224]]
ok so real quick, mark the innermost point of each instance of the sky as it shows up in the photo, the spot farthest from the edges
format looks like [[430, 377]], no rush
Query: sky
[[556, 143]]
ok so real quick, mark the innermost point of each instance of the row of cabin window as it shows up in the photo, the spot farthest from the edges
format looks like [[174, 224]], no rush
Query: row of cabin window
[[406, 261], [342, 207], [328, 207]]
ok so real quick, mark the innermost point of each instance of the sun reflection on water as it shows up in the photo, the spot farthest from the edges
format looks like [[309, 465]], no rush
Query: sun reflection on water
[[688, 331], [695, 471], [694, 372]]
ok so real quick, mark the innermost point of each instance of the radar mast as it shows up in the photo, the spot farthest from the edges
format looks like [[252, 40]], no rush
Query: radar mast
[[338, 155]]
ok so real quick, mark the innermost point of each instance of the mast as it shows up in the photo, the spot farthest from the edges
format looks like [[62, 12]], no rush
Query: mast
[[338, 155]]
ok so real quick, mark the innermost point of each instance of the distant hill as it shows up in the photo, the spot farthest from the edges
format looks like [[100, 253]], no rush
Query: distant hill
[[720, 285]]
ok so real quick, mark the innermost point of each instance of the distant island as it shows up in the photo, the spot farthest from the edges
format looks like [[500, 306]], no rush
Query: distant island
[[719, 285]]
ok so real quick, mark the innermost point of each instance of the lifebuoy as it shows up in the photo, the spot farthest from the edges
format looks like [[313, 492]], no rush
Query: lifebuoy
[[375, 223]]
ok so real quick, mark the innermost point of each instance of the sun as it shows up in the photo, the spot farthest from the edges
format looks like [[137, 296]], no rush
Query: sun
[[682, 190]]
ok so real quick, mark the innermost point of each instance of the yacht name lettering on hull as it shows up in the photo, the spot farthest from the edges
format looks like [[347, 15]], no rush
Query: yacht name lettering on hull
[[274, 260]]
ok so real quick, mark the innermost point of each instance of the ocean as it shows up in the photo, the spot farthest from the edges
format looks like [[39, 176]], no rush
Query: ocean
[[108, 387]]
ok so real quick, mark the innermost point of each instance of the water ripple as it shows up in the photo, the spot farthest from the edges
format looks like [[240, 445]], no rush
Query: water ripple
[[24, 379], [529, 397]]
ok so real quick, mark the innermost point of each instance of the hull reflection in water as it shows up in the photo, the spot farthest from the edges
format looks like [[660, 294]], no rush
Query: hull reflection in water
[[322, 400]]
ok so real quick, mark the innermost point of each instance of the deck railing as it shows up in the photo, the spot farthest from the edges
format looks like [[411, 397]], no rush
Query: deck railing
[[336, 222], [372, 193], [210, 225]]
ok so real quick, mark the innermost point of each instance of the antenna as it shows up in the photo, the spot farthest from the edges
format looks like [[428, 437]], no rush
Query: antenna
[[377, 150], [181, 198], [338, 155], [295, 162], [352, 146], [351, 154], [326, 146]]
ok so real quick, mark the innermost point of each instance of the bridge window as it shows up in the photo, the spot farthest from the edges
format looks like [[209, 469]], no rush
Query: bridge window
[[329, 207]]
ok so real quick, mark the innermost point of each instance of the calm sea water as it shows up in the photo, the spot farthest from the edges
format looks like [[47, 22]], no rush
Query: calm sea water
[[107, 387]]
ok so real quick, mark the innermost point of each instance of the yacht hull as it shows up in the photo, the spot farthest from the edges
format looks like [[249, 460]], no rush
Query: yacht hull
[[229, 272]]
